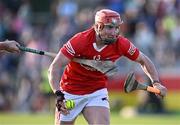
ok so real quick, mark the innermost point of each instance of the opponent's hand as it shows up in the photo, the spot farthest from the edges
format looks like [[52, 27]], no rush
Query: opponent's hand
[[11, 46], [162, 89], [60, 103]]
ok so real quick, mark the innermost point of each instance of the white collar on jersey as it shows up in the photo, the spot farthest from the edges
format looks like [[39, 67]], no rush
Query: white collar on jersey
[[98, 49]]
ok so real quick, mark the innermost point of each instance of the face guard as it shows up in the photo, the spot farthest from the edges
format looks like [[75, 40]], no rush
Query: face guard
[[108, 19], [112, 38]]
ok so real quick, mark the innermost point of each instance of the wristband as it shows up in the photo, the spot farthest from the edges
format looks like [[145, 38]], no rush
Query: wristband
[[155, 81], [59, 93]]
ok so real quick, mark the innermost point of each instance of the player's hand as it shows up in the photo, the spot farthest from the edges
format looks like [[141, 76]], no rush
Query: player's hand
[[162, 89], [60, 103]]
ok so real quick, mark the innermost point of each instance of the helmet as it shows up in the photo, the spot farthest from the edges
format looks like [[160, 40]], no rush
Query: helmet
[[107, 17]]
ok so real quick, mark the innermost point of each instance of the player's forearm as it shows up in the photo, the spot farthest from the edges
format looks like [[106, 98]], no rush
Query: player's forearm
[[54, 77], [151, 71], [149, 68]]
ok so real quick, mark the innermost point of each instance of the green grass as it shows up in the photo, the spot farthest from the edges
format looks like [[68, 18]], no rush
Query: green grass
[[172, 103], [48, 119]]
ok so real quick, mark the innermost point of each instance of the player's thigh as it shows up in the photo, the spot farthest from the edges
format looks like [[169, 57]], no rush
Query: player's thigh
[[97, 115]]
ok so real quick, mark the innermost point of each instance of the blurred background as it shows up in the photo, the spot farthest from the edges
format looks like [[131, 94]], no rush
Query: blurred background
[[152, 25]]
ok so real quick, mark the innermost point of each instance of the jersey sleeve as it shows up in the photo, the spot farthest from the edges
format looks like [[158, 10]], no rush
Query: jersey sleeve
[[128, 49], [72, 47]]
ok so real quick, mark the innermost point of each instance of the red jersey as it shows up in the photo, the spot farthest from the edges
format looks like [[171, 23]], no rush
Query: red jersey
[[80, 79]]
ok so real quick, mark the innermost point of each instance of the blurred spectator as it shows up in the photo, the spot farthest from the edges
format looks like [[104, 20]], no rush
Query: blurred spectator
[[84, 19], [144, 38], [116, 5], [164, 53], [67, 8], [6, 92]]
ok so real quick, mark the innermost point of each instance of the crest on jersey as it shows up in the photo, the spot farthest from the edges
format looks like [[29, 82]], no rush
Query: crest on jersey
[[132, 49]]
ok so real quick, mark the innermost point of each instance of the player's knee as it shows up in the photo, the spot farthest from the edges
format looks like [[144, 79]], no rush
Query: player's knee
[[104, 120], [99, 120]]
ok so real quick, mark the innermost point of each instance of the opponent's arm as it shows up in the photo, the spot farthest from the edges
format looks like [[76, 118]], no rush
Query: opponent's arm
[[149, 68]]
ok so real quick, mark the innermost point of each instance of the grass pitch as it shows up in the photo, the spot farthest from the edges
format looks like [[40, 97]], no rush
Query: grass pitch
[[48, 119], [172, 104]]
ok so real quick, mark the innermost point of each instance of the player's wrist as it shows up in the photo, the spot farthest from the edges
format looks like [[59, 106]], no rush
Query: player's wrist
[[156, 81], [59, 94]]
